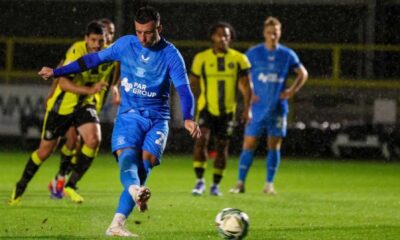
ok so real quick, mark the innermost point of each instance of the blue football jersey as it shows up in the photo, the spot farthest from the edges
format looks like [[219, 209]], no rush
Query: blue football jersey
[[269, 72], [146, 74]]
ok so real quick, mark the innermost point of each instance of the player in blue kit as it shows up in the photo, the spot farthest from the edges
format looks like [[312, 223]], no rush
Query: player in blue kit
[[271, 63], [148, 64]]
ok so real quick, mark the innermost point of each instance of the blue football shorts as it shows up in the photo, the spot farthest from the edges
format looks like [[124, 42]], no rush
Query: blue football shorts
[[132, 129], [274, 126]]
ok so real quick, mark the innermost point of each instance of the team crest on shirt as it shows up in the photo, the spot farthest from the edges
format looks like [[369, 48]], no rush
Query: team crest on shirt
[[120, 140], [140, 72], [271, 58], [231, 65], [271, 66]]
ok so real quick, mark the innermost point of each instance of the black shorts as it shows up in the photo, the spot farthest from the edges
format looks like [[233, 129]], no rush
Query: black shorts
[[56, 125], [221, 126]]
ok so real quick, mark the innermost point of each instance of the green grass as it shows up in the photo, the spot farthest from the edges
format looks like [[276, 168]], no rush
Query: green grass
[[318, 199]]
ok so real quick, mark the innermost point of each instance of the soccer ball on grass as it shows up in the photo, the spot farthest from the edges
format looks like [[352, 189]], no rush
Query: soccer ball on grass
[[232, 223]]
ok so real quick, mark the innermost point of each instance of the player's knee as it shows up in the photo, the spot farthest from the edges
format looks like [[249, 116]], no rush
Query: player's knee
[[93, 141], [274, 145], [44, 153], [70, 143]]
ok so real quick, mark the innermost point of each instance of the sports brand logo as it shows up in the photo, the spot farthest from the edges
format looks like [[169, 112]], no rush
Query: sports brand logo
[[144, 59]]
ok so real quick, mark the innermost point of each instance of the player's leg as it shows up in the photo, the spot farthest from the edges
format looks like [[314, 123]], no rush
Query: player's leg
[[128, 161], [77, 151], [153, 148], [127, 139], [56, 185], [68, 151], [219, 165], [54, 126], [200, 153], [276, 132], [252, 131], [88, 126], [91, 135], [45, 149], [245, 162], [125, 207], [223, 126]]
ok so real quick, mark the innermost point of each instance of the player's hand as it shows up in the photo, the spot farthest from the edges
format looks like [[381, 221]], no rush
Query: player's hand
[[288, 93], [46, 73], [116, 95], [193, 128], [98, 87]]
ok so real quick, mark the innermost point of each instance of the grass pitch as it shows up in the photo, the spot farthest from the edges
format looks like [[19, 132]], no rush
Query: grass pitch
[[317, 199]]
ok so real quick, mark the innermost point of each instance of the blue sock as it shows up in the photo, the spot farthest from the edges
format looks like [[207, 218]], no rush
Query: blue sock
[[144, 171], [273, 160], [246, 159], [128, 162], [126, 204]]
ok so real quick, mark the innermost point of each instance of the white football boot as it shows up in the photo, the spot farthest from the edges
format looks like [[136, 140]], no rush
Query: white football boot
[[269, 189], [117, 227]]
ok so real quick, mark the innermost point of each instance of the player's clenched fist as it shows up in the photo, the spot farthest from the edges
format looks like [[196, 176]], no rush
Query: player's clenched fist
[[46, 73]]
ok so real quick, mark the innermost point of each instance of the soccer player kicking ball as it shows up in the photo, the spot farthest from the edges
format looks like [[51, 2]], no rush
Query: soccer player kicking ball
[[271, 63], [148, 66]]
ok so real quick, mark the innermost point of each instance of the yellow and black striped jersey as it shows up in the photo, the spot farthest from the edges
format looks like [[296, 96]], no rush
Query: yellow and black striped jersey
[[108, 74], [219, 74], [64, 102]]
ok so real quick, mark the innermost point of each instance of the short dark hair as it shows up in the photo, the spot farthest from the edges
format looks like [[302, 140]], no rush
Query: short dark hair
[[147, 14], [94, 27], [218, 25]]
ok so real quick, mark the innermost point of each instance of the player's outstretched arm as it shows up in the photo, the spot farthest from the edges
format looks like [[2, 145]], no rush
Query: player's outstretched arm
[[84, 63]]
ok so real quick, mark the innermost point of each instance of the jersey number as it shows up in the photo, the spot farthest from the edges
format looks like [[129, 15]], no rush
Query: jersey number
[[160, 141]]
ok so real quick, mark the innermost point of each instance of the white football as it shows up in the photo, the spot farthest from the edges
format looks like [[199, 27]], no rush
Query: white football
[[232, 223]]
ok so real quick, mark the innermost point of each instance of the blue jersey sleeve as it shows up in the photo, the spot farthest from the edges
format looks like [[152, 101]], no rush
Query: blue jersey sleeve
[[177, 69], [187, 101], [92, 60], [294, 61], [112, 53], [82, 64]]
